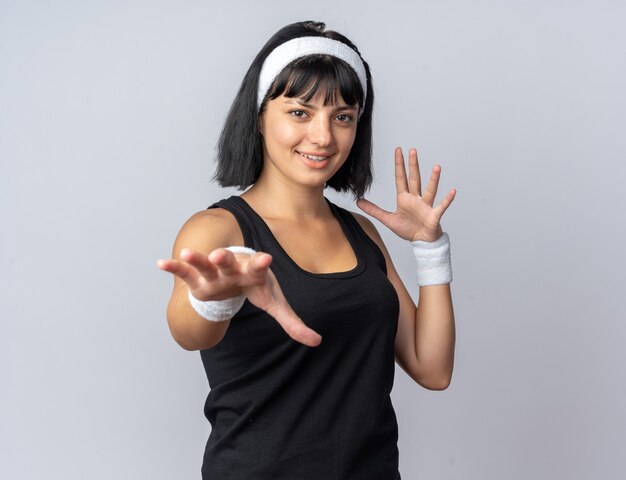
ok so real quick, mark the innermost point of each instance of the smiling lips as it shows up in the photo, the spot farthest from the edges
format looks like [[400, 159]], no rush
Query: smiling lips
[[314, 158]]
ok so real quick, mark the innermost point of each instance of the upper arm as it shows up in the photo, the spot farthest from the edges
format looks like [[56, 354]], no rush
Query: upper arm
[[203, 232], [405, 335], [207, 230]]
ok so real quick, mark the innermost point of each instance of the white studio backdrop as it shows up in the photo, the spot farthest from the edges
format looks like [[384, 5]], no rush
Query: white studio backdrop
[[109, 114]]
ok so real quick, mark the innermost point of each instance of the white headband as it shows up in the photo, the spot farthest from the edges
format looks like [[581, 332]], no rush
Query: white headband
[[287, 52]]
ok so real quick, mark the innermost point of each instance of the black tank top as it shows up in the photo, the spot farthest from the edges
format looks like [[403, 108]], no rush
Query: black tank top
[[281, 410]]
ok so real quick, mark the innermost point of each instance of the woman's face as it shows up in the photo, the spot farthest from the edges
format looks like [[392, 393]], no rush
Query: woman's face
[[306, 142]]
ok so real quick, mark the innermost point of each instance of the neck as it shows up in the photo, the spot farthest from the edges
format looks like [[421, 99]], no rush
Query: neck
[[280, 200]]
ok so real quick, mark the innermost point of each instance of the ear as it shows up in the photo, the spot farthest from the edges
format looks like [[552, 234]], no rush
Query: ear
[[260, 122]]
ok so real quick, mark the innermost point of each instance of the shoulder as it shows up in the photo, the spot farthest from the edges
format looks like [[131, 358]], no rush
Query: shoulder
[[207, 230], [370, 230]]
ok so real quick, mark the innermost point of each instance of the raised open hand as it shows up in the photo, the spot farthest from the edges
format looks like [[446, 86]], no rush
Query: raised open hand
[[416, 217], [223, 274]]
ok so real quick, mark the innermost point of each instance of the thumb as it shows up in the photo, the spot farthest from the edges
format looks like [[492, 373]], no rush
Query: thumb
[[293, 325], [270, 298], [372, 209]]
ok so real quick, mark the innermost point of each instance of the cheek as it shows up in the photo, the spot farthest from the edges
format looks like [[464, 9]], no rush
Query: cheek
[[281, 136], [347, 139]]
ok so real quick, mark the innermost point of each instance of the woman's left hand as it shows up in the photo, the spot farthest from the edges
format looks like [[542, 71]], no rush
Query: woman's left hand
[[416, 217]]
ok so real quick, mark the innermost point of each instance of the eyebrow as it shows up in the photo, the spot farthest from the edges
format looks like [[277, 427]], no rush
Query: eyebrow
[[344, 106]]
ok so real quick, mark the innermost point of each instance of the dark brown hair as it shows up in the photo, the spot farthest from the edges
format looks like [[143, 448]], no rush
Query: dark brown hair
[[240, 146]]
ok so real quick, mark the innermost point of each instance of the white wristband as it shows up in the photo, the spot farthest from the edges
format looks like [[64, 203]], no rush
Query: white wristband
[[433, 261], [220, 310]]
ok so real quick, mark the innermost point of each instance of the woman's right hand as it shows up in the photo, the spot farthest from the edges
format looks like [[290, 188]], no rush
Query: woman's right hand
[[222, 274]]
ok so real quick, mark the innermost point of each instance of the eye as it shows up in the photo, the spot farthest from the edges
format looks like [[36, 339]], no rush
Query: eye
[[344, 118], [298, 113]]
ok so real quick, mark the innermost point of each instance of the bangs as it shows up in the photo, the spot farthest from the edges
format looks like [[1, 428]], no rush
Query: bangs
[[307, 76]]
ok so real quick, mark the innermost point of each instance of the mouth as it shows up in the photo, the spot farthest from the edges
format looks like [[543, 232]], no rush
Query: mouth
[[314, 158]]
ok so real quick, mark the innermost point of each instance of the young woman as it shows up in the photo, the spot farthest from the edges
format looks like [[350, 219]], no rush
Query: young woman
[[294, 303]]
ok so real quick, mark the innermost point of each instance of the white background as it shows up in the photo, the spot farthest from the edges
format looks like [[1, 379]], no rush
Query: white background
[[109, 113]]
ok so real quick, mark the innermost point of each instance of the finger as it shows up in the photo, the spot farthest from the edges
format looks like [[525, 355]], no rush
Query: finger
[[200, 262], [445, 203], [373, 210], [225, 262], [182, 270], [270, 298], [297, 330], [415, 181], [401, 184], [257, 268], [433, 184], [260, 262], [293, 325]]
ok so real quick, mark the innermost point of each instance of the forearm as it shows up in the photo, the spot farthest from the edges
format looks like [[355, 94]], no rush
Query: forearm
[[190, 330], [435, 336]]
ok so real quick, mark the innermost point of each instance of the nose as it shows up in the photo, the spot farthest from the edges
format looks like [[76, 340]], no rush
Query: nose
[[320, 131]]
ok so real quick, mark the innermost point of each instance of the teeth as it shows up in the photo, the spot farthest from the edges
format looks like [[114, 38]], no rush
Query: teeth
[[315, 158]]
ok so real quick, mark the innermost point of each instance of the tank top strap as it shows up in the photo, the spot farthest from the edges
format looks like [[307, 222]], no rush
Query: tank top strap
[[257, 235], [360, 239], [239, 209]]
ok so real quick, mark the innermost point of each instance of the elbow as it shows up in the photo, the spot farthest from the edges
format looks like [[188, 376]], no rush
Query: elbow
[[437, 376], [430, 377], [435, 381], [437, 384], [182, 340], [185, 344], [191, 344]]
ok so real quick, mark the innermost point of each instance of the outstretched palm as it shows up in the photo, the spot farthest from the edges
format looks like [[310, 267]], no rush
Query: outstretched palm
[[222, 274], [416, 217]]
